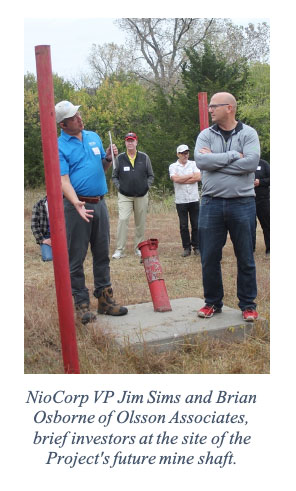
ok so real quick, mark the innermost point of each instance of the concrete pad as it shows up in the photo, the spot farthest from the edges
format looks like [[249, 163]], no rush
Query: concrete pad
[[167, 330]]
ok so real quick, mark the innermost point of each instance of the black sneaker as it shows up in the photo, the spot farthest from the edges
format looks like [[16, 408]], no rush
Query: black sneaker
[[186, 253], [196, 252]]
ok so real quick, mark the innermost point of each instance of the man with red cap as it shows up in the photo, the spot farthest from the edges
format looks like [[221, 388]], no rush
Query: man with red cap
[[132, 176]]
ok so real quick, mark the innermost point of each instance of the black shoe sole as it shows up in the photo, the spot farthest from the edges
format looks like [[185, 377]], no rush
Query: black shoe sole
[[117, 314]]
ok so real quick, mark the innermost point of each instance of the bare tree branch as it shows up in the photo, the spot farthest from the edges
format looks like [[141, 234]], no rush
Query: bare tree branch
[[156, 47], [162, 42]]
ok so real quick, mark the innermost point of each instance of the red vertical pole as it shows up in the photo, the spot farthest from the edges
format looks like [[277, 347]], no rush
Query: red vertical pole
[[56, 209], [203, 110]]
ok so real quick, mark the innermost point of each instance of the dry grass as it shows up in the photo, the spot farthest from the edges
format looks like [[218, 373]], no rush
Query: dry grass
[[97, 353]]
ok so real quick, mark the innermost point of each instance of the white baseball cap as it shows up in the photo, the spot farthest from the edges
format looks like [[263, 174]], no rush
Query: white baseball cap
[[182, 148], [65, 109]]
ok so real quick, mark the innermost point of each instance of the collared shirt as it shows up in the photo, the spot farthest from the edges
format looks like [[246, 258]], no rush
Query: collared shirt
[[184, 193], [82, 161], [132, 159]]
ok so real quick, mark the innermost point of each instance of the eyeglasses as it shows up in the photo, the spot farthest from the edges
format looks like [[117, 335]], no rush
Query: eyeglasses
[[214, 106]]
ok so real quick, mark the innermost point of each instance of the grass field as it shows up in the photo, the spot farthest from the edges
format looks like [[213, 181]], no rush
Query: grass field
[[97, 353]]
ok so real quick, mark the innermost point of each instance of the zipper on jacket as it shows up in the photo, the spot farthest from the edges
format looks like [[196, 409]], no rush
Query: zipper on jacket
[[235, 130]]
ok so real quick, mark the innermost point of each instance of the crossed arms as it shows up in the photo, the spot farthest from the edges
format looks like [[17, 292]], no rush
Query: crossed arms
[[230, 161], [188, 179]]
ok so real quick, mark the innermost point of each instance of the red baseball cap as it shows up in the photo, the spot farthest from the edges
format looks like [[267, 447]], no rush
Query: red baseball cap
[[131, 136]]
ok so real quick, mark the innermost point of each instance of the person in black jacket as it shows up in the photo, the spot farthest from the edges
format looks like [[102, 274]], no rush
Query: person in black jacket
[[262, 184], [132, 176]]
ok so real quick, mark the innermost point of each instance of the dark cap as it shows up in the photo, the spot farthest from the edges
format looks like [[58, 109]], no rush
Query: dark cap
[[131, 136]]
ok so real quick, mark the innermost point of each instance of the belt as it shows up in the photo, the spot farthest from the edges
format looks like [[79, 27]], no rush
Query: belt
[[90, 199]]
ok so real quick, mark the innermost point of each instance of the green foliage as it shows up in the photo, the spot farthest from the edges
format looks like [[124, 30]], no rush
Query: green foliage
[[33, 159], [254, 106], [63, 90], [33, 165], [158, 138], [176, 117], [209, 72], [162, 121], [118, 106]]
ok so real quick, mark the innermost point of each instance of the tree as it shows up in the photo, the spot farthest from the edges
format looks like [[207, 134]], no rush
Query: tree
[[156, 48], [33, 158], [162, 119], [33, 164], [254, 104], [110, 60], [160, 43], [63, 89], [117, 105], [175, 115], [207, 71], [236, 42]]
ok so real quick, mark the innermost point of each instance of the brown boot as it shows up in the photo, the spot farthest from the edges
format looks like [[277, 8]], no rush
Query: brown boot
[[108, 306], [84, 314]]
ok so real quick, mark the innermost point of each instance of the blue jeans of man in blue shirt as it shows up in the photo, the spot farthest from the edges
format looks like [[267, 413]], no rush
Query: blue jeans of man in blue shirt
[[217, 217]]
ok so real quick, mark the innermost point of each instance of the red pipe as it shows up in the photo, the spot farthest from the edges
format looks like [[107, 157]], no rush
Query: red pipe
[[154, 275], [203, 110], [56, 209]]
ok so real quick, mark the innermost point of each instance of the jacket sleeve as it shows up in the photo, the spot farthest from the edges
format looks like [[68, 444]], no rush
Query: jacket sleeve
[[150, 174], [35, 224], [251, 156], [264, 182], [211, 161], [230, 162], [115, 177]]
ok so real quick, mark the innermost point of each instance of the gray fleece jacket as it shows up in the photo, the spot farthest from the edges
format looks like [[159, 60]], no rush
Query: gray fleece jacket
[[224, 173]]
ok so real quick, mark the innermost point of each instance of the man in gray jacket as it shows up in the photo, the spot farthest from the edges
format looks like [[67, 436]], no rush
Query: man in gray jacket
[[227, 154]]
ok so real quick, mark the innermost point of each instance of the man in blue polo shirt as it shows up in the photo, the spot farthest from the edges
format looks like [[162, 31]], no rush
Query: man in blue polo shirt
[[83, 162]]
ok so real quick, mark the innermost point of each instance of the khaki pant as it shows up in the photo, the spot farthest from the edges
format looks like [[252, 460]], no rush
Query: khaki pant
[[127, 205]]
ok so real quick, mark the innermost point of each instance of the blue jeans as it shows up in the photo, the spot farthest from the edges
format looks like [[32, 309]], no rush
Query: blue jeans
[[46, 252], [217, 216]]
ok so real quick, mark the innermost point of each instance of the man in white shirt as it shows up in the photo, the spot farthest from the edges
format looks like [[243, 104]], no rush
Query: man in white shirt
[[185, 176]]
